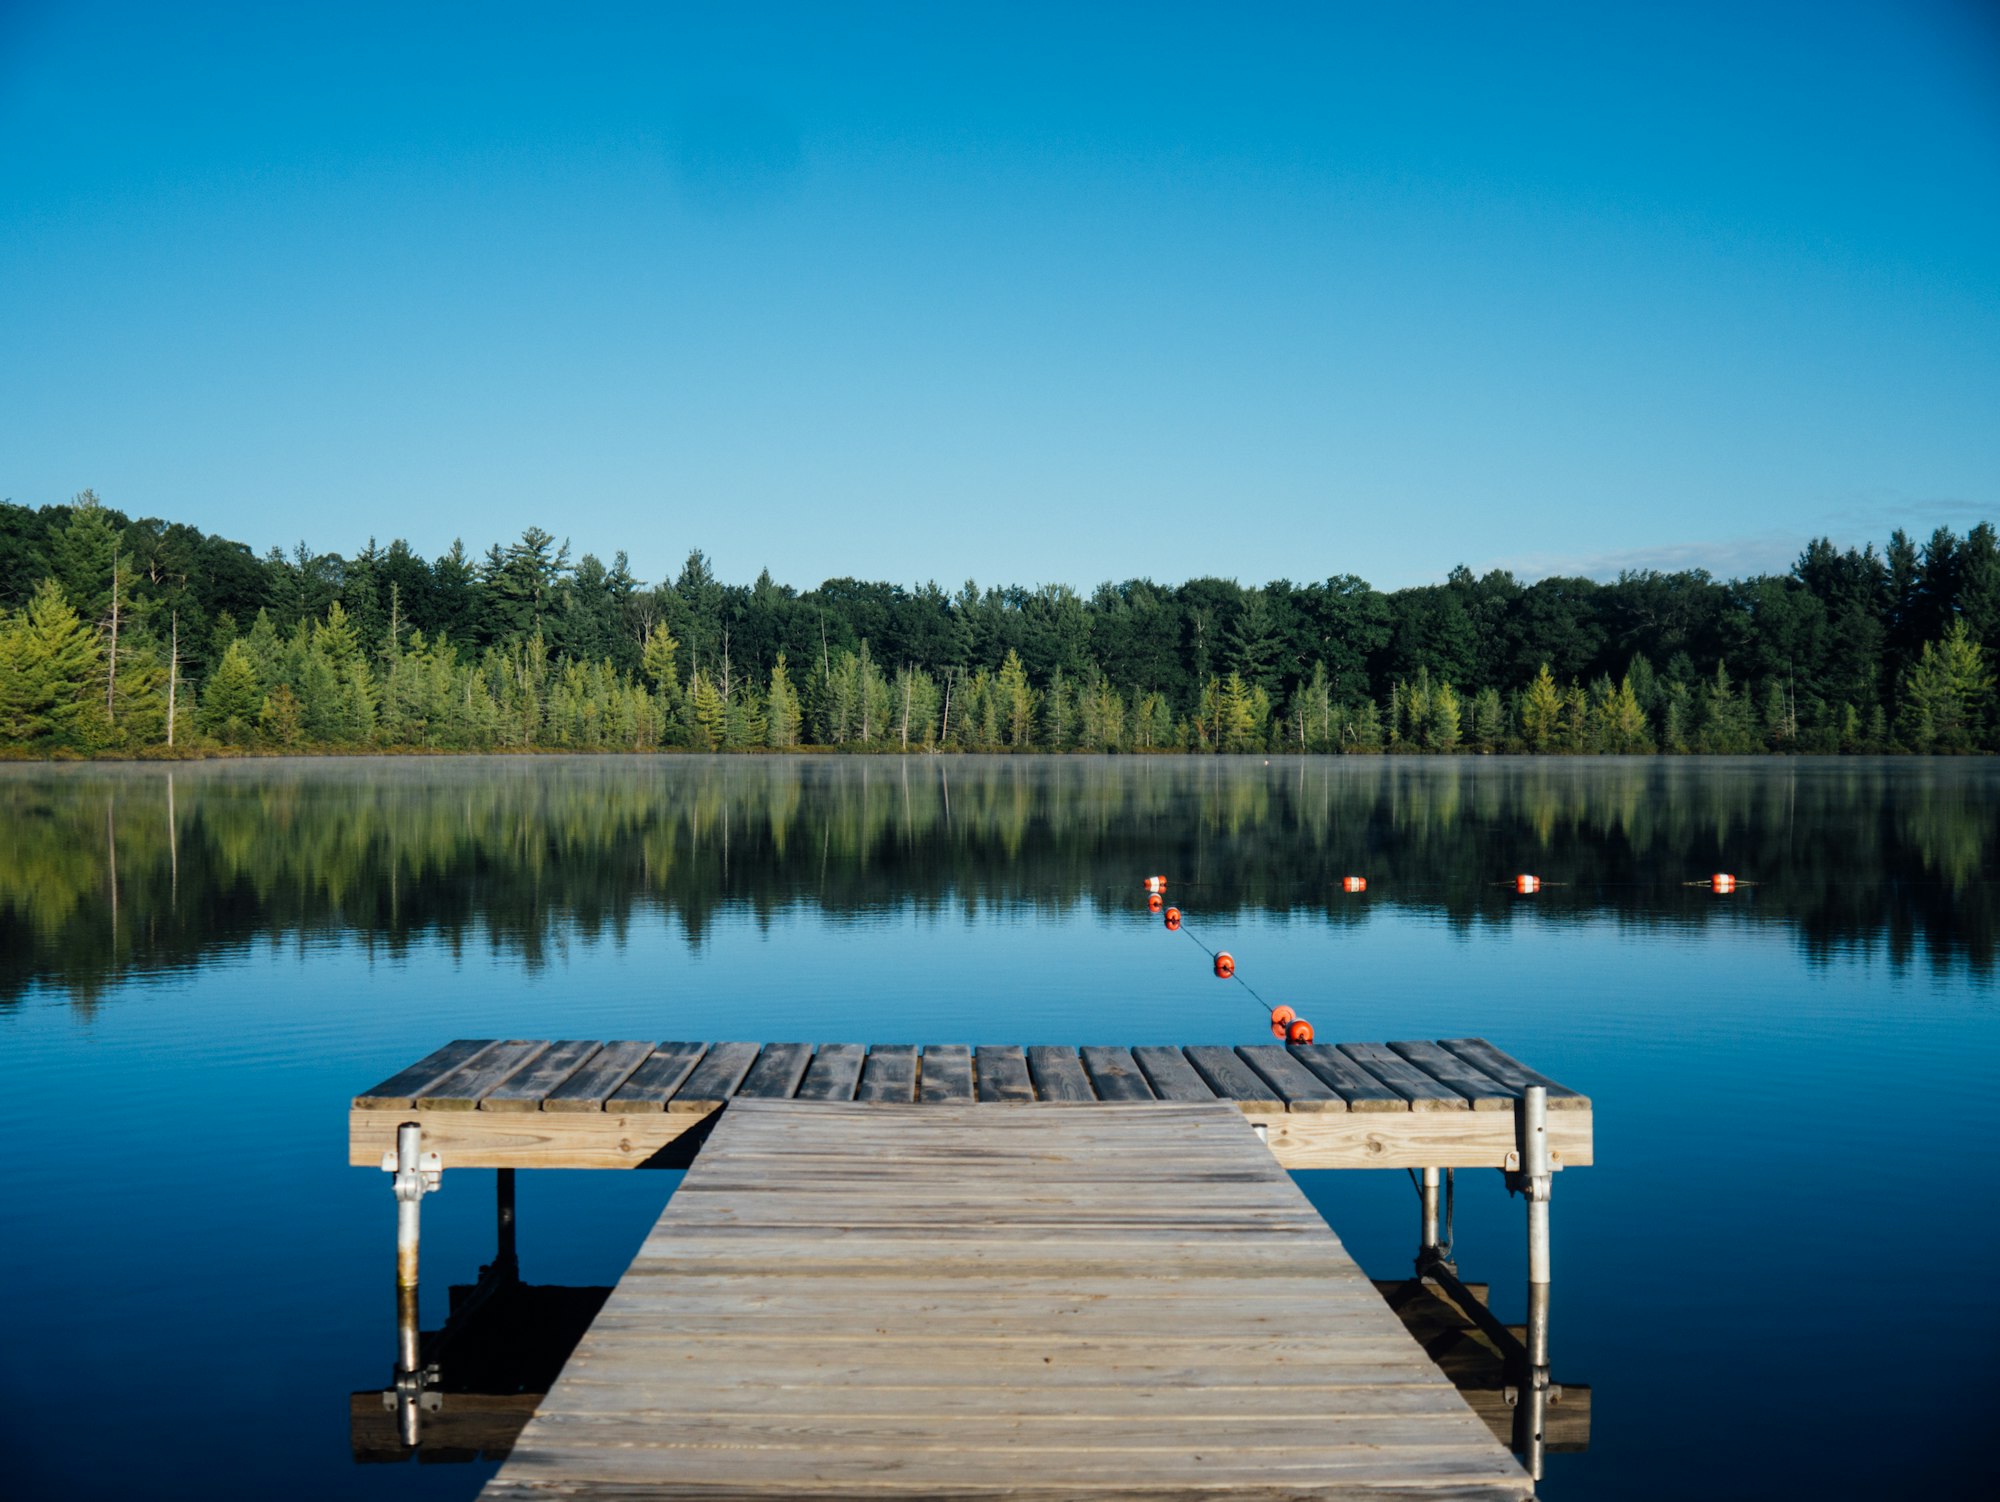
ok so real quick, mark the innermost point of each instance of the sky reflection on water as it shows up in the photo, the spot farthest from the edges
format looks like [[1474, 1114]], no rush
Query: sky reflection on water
[[1765, 1225]]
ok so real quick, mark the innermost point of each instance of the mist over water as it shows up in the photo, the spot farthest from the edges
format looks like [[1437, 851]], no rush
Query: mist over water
[[199, 964]]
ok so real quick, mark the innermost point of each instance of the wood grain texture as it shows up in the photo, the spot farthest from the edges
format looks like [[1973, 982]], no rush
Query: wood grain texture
[[592, 1085], [653, 1083], [528, 1087], [777, 1072], [1115, 1074], [1347, 1079], [1512, 1073], [1482, 1090], [1059, 1075], [1400, 1075], [1128, 1301], [464, 1087], [889, 1074], [1170, 1074], [834, 1072], [715, 1078], [1232, 1079], [945, 1073], [1302, 1089], [1002, 1074], [402, 1088]]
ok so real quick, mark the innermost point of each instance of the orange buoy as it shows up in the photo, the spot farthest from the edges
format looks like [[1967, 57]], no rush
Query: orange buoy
[[1225, 965], [1301, 1031], [1173, 918], [1156, 883], [1153, 903], [1527, 884], [1722, 882], [1282, 1016], [1353, 883], [1279, 1030]]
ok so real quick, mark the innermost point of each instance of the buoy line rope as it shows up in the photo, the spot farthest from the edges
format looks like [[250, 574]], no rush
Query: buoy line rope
[[1211, 953]]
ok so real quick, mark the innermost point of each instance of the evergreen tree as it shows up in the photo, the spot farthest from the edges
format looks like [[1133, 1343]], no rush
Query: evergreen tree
[[1015, 702], [784, 717], [1489, 720], [232, 697], [1541, 711], [1945, 694]]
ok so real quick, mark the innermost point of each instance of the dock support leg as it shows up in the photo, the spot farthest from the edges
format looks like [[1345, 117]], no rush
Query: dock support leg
[[417, 1173], [1432, 1253], [505, 1262], [1536, 1177]]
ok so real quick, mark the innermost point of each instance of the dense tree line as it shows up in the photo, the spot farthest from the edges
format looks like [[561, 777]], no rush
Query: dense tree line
[[125, 871], [119, 635]]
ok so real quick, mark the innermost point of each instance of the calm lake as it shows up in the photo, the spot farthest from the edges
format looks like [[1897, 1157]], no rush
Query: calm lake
[[1762, 1280]]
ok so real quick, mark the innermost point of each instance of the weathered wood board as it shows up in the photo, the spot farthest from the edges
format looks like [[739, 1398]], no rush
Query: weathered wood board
[[489, 1104], [974, 1300]]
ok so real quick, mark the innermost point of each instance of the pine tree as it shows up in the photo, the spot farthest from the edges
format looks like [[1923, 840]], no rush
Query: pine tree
[[1945, 694], [784, 718], [1541, 711], [705, 714], [1235, 723], [1015, 701], [50, 666], [1489, 720], [230, 700], [1443, 725]]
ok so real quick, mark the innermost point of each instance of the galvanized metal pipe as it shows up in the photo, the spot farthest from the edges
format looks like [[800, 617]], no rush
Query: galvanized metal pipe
[[1536, 1171], [1429, 1190], [409, 1201]]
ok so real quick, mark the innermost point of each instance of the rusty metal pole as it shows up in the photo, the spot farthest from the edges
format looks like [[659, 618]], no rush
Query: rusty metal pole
[[416, 1174]]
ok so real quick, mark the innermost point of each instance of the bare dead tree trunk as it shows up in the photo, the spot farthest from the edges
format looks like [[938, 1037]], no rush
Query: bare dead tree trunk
[[173, 677], [111, 677]]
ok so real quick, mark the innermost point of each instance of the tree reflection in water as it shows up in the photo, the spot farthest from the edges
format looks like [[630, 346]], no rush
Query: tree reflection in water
[[111, 872]]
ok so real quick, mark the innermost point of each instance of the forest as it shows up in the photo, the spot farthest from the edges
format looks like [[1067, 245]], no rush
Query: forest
[[123, 637]]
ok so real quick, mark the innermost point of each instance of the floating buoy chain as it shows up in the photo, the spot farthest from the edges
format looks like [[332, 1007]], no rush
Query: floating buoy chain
[[1286, 1024]]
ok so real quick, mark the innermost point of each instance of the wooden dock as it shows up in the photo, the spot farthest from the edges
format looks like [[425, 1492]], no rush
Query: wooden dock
[[525, 1103], [1032, 1272], [949, 1300]]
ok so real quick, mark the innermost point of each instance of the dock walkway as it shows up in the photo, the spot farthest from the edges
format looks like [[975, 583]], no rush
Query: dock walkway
[[947, 1300]]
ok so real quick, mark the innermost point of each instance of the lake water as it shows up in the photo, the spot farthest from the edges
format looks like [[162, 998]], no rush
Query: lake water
[[1769, 1279]]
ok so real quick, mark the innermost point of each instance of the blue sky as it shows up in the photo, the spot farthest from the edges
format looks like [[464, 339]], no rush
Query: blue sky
[[1019, 293]]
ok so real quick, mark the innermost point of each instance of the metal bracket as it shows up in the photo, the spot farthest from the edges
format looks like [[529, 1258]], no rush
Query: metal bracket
[[1512, 1162], [423, 1177], [1263, 1131]]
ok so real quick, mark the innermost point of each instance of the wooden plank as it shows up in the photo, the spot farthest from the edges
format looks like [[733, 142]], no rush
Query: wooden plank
[[834, 1072], [1512, 1073], [1418, 1139], [1419, 1089], [1232, 1079], [592, 1085], [1059, 1074], [1347, 1079], [1115, 1074], [945, 1073], [401, 1089], [526, 1088], [1170, 1074], [777, 1072], [464, 1087], [1002, 1072], [1485, 1092], [653, 1083], [890, 1074], [1301, 1088], [648, 1137], [715, 1078], [1070, 1314]]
